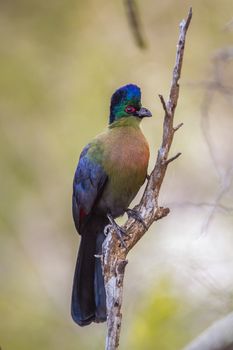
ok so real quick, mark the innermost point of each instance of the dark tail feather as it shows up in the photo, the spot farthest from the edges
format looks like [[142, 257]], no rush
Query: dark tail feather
[[88, 295], [100, 295]]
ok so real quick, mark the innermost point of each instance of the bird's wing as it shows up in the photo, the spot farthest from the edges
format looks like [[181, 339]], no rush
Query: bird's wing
[[89, 180]]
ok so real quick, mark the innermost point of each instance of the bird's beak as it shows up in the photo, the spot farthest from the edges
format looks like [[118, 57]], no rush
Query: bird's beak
[[143, 112]]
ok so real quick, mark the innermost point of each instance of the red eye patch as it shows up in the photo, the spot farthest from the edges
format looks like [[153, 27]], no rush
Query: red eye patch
[[130, 109]]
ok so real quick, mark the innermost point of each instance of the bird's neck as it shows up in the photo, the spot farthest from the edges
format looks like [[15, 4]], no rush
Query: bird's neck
[[128, 121]]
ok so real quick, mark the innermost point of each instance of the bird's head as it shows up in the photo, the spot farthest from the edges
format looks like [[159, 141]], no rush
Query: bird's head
[[126, 102]]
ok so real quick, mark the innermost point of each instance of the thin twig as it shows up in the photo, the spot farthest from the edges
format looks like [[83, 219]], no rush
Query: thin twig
[[226, 185], [134, 22], [219, 336], [213, 87], [200, 205], [173, 158], [114, 255], [178, 126], [163, 104]]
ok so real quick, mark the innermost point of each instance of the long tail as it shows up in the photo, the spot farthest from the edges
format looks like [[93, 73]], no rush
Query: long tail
[[88, 296]]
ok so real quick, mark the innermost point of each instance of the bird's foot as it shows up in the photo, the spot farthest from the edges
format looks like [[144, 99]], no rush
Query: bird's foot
[[119, 230], [98, 256], [137, 216]]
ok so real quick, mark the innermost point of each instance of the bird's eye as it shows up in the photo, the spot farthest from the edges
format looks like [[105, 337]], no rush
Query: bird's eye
[[130, 109]]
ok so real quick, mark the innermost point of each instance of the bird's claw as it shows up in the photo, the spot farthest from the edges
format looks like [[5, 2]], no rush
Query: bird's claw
[[115, 227], [137, 216], [119, 230], [98, 256], [107, 229]]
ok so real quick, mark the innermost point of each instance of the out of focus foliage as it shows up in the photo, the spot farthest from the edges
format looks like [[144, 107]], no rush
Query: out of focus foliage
[[60, 62], [160, 323]]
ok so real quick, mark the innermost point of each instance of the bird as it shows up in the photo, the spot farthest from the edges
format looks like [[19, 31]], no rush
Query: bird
[[110, 172]]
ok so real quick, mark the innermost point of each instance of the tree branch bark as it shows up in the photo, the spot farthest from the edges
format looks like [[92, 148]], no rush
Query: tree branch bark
[[135, 23], [219, 336], [114, 254]]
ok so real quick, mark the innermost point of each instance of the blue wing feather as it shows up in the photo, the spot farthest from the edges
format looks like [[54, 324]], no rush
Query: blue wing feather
[[89, 180]]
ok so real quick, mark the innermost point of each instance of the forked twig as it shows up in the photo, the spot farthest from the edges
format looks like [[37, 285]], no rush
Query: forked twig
[[114, 254]]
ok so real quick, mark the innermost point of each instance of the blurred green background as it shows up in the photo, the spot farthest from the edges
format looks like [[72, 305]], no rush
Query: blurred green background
[[60, 62]]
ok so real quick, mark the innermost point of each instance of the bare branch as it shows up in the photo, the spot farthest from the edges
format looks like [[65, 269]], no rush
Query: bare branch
[[134, 22], [173, 158], [178, 126], [114, 254], [214, 86], [222, 191], [220, 206], [163, 103], [219, 336]]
